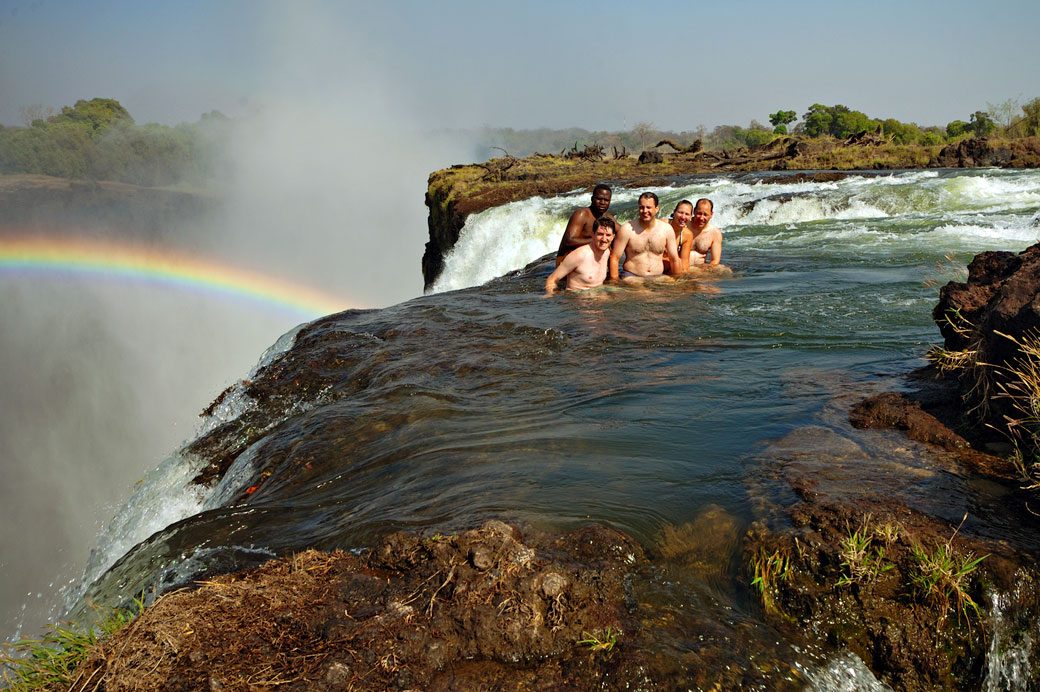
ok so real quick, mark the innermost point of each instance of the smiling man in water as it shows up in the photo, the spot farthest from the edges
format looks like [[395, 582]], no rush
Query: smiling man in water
[[644, 243], [581, 225], [586, 267], [707, 239]]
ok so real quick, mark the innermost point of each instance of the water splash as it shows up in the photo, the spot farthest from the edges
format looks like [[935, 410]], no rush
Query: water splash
[[1008, 666], [845, 673]]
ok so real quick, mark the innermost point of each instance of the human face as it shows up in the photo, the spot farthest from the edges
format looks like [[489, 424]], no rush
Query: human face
[[701, 216], [603, 237], [682, 215], [600, 202], [647, 210]]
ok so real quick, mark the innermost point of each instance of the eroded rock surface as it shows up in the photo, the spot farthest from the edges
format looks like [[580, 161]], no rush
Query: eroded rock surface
[[483, 609]]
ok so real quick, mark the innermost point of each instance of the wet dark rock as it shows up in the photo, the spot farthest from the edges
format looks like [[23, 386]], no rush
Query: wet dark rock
[[892, 410]]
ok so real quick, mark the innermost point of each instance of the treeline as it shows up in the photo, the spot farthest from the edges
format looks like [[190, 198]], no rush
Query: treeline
[[99, 140], [1010, 119]]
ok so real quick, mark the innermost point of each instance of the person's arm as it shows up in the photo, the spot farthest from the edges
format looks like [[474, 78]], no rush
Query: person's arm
[[616, 251], [675, 266], [716, 248], [562, 271], [687, 245]]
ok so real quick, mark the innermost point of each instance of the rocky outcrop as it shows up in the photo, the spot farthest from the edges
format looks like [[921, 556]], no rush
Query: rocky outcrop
[[991, 324], [915, 600], [894, 410], [982, 152], [970, 153]]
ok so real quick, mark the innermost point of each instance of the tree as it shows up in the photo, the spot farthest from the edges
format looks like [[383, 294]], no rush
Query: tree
[[37, 111], [95, 114], [956, 128], [642, 130], [818, 120], [1029, 124], [781, 119], [982, 124], [1003, 113]]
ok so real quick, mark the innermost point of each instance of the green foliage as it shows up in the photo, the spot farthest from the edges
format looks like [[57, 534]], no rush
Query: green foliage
[[1028, 124], [768, 570], [782, 118], [982, 124], [95, 115], [862, 560], [50, 661], [729, 137], [957, 128], [941, 577], [98, 139], [836, 121], [596, 644]]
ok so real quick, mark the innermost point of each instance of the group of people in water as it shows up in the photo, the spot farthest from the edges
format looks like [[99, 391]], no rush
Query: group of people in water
[[594, 244]]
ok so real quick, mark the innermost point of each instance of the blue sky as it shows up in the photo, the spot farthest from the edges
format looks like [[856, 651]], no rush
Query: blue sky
[[602, 65]]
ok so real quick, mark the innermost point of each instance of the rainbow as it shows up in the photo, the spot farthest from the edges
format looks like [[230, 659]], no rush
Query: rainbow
[[79, 256]]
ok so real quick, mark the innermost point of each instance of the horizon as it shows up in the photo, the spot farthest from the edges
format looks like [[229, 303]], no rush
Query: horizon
[[467, 66]]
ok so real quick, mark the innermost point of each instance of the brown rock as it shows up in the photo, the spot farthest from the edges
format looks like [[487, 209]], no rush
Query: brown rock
[[892, 410]]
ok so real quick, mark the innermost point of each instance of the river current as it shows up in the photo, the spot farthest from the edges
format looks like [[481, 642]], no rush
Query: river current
[[646, 409]]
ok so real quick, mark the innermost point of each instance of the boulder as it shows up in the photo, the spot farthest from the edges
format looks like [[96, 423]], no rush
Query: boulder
[[969, 153]]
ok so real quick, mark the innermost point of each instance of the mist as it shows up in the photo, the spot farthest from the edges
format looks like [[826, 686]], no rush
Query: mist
[[102, 380]]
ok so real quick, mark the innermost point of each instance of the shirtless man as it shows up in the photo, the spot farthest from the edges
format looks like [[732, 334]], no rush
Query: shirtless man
[[644, 242], [707, 239], [580, 227], [586, 267], [680, 223]]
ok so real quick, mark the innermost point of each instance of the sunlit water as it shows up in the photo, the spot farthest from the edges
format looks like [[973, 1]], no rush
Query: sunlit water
[[646, 409]]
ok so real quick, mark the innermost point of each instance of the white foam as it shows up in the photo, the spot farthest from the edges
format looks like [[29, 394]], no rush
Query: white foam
[[1007, 660], [504, 238], [844, 673], [165, 496]]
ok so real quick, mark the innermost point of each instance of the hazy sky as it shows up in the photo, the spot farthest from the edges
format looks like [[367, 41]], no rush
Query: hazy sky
[[602, 65]]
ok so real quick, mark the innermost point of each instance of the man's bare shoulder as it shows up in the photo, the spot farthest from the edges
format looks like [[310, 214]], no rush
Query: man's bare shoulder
[[584, 214]]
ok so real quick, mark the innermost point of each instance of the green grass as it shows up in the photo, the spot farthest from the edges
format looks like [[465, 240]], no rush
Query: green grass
[[768, 570], [941, 577], [862, 560], [596, 644], [50, 661]]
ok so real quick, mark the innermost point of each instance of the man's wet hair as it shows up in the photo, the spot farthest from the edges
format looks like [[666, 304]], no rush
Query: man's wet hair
[[650, 195], [602, 186], [604, 222], [711, 207], [682, 202]]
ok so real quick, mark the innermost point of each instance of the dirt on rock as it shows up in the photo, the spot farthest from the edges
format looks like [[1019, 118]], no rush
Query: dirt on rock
[[484, 609]]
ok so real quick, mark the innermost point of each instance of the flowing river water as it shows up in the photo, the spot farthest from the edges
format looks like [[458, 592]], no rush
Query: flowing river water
[[655, 410]]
